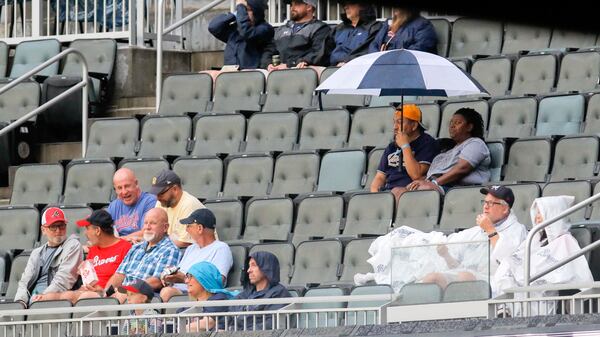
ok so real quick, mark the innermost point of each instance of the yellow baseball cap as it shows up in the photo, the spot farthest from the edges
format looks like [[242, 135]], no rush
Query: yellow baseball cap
[[412, 112]]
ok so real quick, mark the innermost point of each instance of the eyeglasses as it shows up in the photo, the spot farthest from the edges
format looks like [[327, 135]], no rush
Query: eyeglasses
[[56, 228], [492, 203], [188, 276], [166, 190]]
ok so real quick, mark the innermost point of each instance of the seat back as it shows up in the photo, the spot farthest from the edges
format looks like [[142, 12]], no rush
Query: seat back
[[579, 71], [317, 215], [373, 164], [418, 209], [580, 189], [356, 255], [19, 100], [372, 127], [295, 173], [571, 39], [11, 330], [450, 107], [324, 129], [238, 91], [268, 218], [272, 131], [239, 254], [229, 214], [459, 291], [341, 170], [512, 117], [323, 319], [369, 213], [317, 262], [37, 183], [73, 213], [493, 73], [528, 160], [471, 37], [3, 58], [524, 196], [337, 101], [202, 177], [218, 133], [461, 207], [497, 155], [79, 188], [17, 269], [442, 30], [596, 205], [522, 37], [430, 117], [113, 137], [165, 136], [185, 93], [560, 115], [534, 74], [248, 174], [100, 56], [290, 88], [420, 293], [30, 54], [285, 255], [592, 115], [575, 157], [369, 317], [19, 227], [51, 329], [145, 169], [583, 236], [97, 329]]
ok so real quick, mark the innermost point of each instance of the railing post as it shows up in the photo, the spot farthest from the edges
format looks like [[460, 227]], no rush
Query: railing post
[[159, 50], [36, 18], [139, 22], [84, 105]]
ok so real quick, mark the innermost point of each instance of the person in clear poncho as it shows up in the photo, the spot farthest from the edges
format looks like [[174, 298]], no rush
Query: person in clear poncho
[[549, 246]]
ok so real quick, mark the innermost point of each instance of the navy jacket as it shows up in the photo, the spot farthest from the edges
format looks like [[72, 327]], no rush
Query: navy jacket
[[245, 42], [417, 34], [268, 265], [351, 42]]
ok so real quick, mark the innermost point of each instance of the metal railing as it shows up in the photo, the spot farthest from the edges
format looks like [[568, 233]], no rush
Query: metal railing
[[83, 85]]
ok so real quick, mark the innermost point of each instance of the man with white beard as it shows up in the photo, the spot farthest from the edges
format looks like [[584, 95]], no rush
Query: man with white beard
[[51, 268], [146, 260]]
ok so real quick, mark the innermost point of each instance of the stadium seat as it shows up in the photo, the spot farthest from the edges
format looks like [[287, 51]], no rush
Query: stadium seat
[[519, 37], [512, 117], [274, 131], [218, 133], [560, 115], [73, 213], [442, 30], [595, 215], [339, 101], [97, 329], [184, 93], [461, 207], [372, 127], [529, 160], [113, 137], [524, 196], [290, 88], [475, 37], [145, 169], [165, 136], [317, 262], [4, 48], [11, 330], [419, 293], [30, 54], [463, 63], [229, 214], [369, 213], [583, 235], [575, 157], [295, 173], [317, 216], [450, 107], [341, 170], [386, 101], [238, 91], [19, 227], [202, 177], [79, 188], [53, 328], [535, 73], [373, 164], [268, 218], [579, 71], [239, 254], [418, 209], [580, 189], [17, 269], [356, 255], [248, 174], [324, 129], [37, 184], [497, 153], [324, 318], [571, 39], [430, 118], [364, 318], [458, 291], [493, 73], [19, 100], [592, 114], [285, 255]]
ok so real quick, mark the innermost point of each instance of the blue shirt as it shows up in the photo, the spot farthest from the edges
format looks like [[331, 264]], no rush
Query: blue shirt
[[424, 149], [141, 264], [346, 41], [130, 219]]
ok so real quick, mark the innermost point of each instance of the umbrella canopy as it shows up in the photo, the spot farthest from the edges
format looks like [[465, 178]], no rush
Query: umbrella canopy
[[401, 72]]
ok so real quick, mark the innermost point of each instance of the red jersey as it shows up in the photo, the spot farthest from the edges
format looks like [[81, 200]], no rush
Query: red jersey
[[107, 260]]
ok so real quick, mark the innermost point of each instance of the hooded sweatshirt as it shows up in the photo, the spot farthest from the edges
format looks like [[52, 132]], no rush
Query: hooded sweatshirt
[[269, 266], [417, 34], [351, 42], [245, 41]]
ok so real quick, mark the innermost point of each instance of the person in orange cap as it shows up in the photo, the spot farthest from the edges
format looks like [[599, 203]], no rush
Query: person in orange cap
[[408, 156]]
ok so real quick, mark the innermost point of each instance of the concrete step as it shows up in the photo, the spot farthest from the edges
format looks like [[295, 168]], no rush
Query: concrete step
[[54, 152]]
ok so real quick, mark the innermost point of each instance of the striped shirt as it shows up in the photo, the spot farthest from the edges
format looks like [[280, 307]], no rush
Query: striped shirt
[[140, 263]]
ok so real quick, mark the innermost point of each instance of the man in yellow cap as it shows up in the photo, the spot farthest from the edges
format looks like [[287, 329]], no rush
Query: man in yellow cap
[[408, 156]]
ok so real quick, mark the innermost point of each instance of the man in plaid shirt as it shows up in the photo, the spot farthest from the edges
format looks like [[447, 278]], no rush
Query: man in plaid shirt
[[149, 258]]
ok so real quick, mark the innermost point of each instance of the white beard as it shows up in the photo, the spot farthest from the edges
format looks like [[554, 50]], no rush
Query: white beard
[[148, 236], [57, 240]]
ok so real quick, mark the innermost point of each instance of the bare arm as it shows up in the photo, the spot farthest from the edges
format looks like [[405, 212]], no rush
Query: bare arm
[[378, 182], [116, 280], [457, 172]]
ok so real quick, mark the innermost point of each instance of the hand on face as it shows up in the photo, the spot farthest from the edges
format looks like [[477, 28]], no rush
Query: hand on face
[[484, 221]]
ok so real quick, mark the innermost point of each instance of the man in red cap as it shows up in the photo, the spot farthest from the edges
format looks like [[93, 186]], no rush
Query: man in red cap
[[51, 268]]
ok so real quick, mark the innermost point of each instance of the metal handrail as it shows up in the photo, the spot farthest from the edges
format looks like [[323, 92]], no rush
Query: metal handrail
[[161, 31], [41, 108]]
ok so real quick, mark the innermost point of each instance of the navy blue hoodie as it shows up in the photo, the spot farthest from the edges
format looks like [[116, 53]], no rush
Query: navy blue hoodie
[[417, 34], [351, 42]]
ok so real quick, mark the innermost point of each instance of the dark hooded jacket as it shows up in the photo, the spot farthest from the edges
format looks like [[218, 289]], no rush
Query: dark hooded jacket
[[268, 265], [417, 34], [351, 42], [245, 42]]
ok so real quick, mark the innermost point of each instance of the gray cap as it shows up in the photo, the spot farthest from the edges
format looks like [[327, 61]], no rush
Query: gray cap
[[308, 2], [164, 179]]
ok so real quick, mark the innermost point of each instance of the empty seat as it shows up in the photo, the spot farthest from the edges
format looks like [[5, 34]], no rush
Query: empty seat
[[113, 137], [285, 255], [367, 317], [522, 37], [418, 209], [560, 115], [592, 115], [373, 164], [145, 169], [528, 160], [524, 196], [369, 213], [317, 262], [248, 174], [430, 117], [165, 136], [461, 207], [512, 117], [185, 93], [290, 88], [11, 330], [571, 39], [462, 63], [229, 215], [419, 293], [337, 101], [322, 318], [575, 157], [372, 127], [497, 154], [3, 58], [324, 129], [583, 236], [88, 181], [37, 184], [30, 54], [17, 269], [202, 177], [341, 170], [53, 328], [19, 227], [450, 107], [218, 133], [295, 173], [356, 255], [238, 91], [239, 254], [596, 205], [579, 71], [272, 131], [268, 218], [442, 30], [386, 101], [458, 291], [472, 37], [580, 189], [317, 216], [493, 73], [19, 100], [534, 73]]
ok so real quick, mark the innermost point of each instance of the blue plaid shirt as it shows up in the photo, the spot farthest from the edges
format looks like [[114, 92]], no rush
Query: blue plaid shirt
[[140, 263]]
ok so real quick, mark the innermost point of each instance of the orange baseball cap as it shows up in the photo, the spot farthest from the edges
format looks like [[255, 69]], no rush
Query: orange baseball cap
[[412, 112]]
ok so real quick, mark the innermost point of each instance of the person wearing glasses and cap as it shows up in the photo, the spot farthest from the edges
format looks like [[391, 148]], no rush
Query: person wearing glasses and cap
[[140, 292], [51, 268], [408, 156]]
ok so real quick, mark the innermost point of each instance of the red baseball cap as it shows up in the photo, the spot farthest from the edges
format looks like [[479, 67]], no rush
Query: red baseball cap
[[53, 215]]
